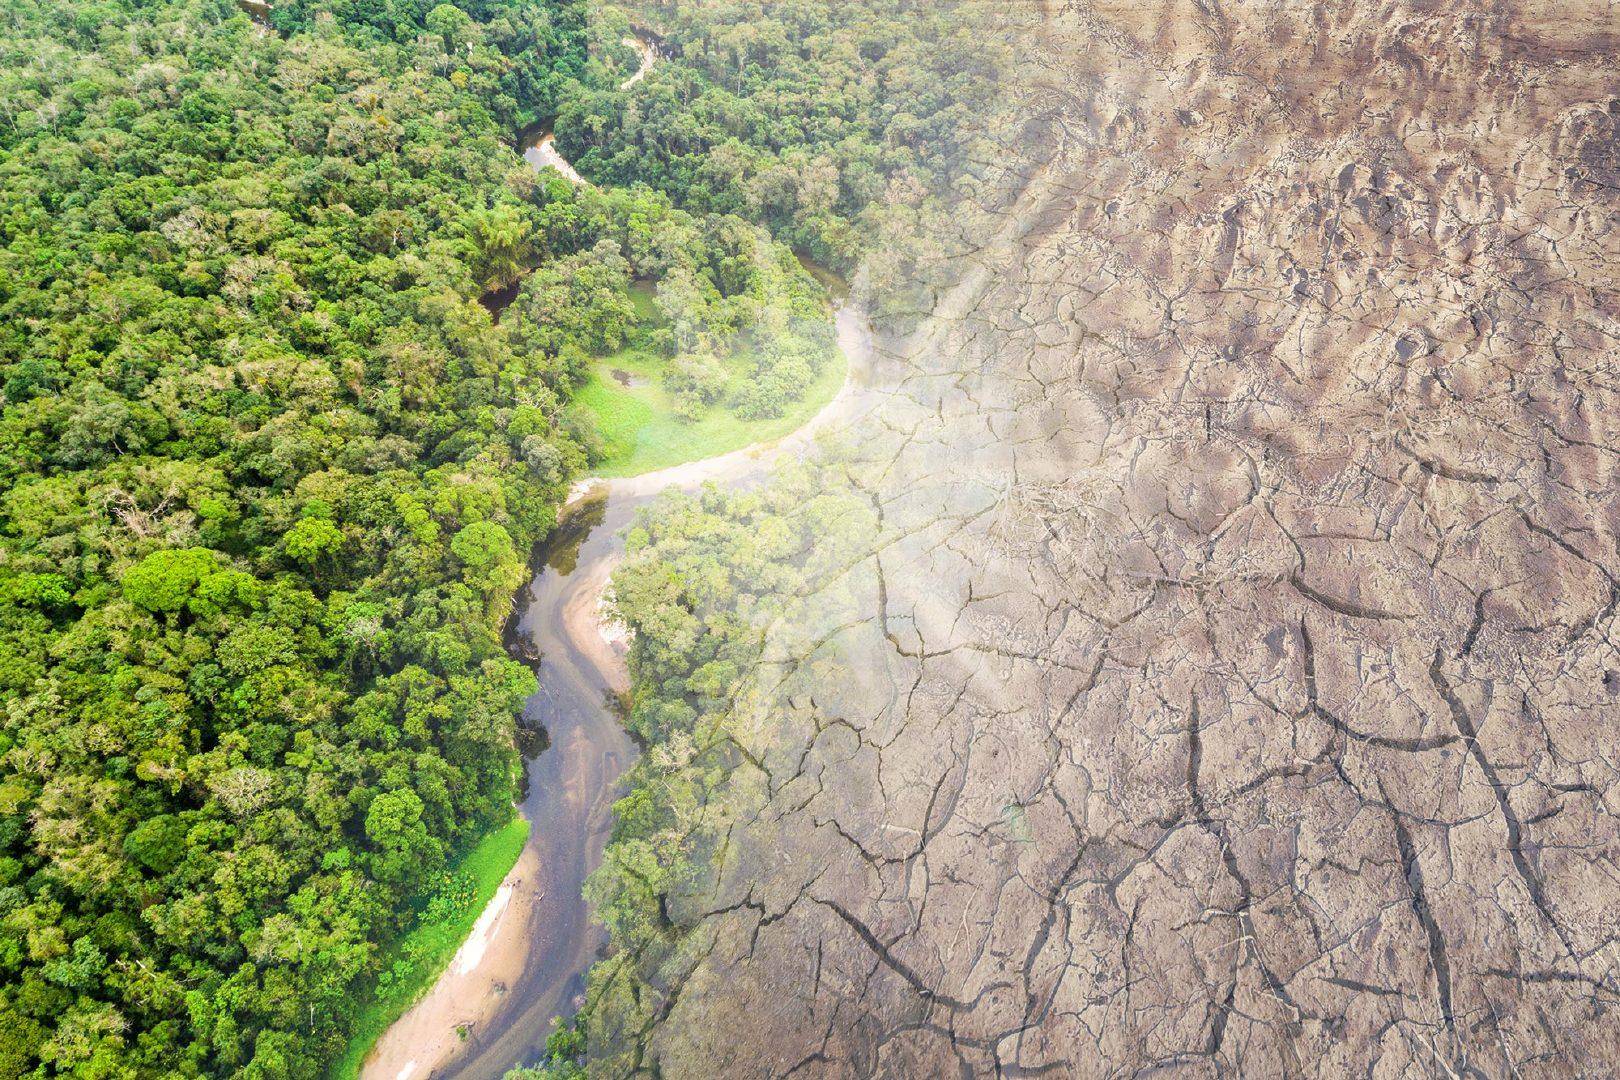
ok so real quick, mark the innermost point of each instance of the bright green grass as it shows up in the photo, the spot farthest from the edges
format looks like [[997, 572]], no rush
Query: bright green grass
[[641, 432], [644, 297], [488, 863]]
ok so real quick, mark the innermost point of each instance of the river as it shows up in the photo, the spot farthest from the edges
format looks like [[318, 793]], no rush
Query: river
[[525, 962], [540, 148]]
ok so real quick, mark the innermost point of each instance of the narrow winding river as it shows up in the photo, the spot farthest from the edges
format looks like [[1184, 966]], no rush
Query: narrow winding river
[[540, 149], [525, 962]]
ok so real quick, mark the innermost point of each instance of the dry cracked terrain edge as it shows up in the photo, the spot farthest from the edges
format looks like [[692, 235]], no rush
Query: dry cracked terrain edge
[[1228, 685]]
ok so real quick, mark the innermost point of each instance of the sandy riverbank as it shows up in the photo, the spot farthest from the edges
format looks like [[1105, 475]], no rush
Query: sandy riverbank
[[470, 991], [600, 640]]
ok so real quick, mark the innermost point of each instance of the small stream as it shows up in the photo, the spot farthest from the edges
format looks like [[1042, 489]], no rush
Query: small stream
[[540, 146], [573, 782], [497, 1003]]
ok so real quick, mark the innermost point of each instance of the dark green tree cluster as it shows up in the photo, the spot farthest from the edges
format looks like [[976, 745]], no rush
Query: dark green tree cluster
[[819, 120], [518, 59], [268, 475]]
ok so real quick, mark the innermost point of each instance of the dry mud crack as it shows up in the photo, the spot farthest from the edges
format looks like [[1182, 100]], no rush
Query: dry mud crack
[[1229, 686]]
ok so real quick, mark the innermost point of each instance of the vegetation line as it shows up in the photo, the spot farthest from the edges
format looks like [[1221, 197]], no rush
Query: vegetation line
[[415, 962]]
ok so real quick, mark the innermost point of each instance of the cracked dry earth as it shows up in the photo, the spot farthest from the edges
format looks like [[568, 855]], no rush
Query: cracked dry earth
[[1231, 686]]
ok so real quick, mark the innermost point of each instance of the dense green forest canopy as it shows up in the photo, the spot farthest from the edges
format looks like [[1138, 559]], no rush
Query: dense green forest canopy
[[268, 473], [267, 477], [831, 123]]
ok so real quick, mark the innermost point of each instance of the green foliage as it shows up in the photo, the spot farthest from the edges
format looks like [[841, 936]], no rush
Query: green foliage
[[482, 545], [494, 567], [565, 1055], [312, 539], [823, 121], [727, 322], [518, 59], [261, 513], [158, 843], [706, 579], [166, 580], [454, 898]]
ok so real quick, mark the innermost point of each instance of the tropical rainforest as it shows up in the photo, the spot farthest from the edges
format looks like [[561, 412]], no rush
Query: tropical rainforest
[[268, 475], [829, 123], [289, 335]]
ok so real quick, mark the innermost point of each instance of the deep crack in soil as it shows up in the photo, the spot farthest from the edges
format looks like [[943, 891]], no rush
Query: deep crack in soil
[[1230, 685]]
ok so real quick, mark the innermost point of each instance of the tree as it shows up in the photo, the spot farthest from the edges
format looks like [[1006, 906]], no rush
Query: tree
[[453, 26], [311, 540], [165, 581], [697, 380], [504, 237]]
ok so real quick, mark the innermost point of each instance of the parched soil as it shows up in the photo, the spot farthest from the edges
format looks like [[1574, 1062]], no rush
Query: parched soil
[[1231, 688]]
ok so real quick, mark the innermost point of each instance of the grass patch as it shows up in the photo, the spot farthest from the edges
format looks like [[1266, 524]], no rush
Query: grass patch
[[641, 432], [644, 298], [418, 958]]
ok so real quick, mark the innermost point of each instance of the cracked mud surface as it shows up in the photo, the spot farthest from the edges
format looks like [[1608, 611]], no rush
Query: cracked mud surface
[[1229, 686]]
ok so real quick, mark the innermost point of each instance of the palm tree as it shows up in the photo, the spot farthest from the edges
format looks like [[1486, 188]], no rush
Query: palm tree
[[503, 235]]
